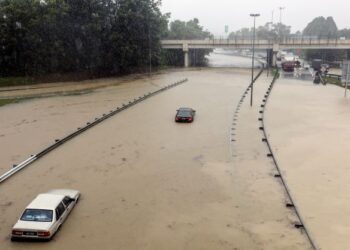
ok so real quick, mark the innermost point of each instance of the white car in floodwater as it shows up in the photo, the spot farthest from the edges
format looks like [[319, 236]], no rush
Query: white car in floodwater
[[44, 215]]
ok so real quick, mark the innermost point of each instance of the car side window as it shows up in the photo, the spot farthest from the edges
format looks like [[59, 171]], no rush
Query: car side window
[[59, 210], [67, 201], [58, 214]]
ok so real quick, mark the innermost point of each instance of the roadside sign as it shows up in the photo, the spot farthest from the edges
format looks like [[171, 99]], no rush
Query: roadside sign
[[226, 28]]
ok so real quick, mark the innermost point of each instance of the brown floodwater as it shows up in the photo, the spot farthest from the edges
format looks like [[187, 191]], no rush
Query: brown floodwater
[[310, 133], [35, 122], [147, 182]]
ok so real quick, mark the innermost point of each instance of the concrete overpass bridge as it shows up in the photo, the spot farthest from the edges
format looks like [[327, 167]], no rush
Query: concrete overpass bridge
[[270, 45]]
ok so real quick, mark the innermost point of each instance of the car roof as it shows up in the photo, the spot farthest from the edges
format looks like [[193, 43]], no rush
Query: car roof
[[66, 192], [46, 201], [185, 109]]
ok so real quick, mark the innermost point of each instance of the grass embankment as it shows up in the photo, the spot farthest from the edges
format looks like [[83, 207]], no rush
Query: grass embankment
[[334, 80], [4, 102], [275, 71], [15, 81], [68, 77]]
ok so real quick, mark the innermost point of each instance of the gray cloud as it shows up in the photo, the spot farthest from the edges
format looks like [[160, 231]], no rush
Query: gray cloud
[[214, 15]]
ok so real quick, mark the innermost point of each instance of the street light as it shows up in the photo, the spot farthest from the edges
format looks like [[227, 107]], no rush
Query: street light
[[252, 84], [149, 49], [281, 8], [280, 26]]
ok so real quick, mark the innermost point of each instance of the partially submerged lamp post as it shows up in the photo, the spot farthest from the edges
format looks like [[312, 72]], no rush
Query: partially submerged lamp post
[[280, 24], [252, 84]]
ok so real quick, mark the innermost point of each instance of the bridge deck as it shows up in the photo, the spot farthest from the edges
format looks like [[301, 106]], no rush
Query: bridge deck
[[260, 44]]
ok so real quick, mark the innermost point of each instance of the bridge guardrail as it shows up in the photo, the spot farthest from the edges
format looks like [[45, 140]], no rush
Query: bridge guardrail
[[246, 43]]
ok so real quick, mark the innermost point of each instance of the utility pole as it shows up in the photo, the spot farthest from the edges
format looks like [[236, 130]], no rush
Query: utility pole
[[149, 48], [253, 57], [148, 10]]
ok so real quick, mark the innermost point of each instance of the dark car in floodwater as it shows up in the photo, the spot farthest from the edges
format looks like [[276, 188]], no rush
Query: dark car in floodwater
[[185, 115]]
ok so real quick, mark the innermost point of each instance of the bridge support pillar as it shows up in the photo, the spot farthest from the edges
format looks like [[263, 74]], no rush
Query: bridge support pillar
[[276, 49], [348, 54], [186, 55], [274, 59], [186, 59], [269, 57]]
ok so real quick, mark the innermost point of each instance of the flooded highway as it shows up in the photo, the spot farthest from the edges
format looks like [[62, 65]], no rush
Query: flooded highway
[[222, 58], [34, 123], [309, 130], [149, 183]]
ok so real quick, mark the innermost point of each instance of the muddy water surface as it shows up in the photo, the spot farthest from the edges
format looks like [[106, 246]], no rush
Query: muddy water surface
[[147, 182], [309, 130], [33, 124]]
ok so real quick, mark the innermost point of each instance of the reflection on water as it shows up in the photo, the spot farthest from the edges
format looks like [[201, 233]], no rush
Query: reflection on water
[[225, 58]]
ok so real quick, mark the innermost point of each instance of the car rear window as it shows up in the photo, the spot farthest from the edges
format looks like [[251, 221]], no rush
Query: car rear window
[[40, 215], [184, 113]]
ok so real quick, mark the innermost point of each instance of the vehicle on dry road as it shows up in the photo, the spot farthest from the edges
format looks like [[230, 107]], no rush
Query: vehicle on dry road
[[43, 217], [185, 115]]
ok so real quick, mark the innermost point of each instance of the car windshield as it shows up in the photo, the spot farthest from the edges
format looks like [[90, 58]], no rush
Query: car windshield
[[39, 215], [184, 113]]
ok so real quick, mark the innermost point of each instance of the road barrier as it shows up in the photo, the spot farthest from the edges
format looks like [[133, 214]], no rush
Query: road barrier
[[80, 130], [290, 204], [334, 76], [238, 107]]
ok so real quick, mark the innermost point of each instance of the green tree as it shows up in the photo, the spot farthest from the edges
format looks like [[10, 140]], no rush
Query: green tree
[[344, 33], [244, 33], [266, 32], [100, 37], [189, 30], [322, 28]]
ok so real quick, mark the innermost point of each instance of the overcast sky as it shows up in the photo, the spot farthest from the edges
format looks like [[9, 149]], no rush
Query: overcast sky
[[215, 14]]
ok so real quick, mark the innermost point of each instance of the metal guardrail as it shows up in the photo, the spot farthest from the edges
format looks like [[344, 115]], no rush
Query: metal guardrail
[[338, 77], [238, 107], [17, 168], [79, 131], [291, 203]]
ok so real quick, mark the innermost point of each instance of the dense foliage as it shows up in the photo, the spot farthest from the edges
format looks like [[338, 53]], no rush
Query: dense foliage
[[323, 28], [267, 32], [319, 28], [96, 36], [187, 31], [108, 37]]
